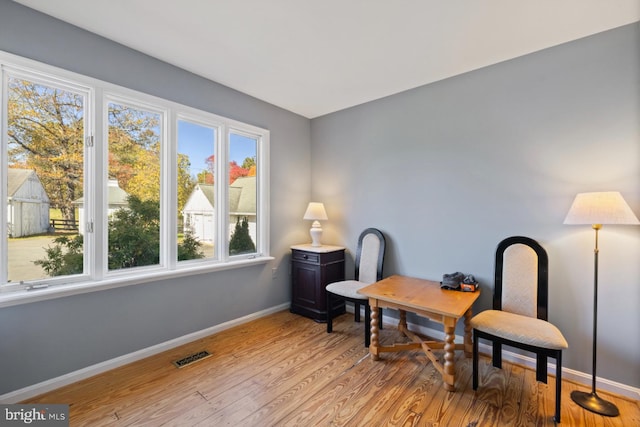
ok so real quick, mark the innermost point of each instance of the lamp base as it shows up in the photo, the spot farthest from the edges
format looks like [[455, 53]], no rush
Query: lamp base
[[594, 403], [316, 234]]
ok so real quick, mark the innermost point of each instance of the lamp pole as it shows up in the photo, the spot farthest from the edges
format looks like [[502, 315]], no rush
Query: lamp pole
[[591, 401]]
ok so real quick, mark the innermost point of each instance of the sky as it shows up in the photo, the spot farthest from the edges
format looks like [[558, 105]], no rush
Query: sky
[[198, 142]]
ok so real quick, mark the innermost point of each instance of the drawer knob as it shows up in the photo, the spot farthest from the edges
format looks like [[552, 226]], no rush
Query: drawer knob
[[305, 256]]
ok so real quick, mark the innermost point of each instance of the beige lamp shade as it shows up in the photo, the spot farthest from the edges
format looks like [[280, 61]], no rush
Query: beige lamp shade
[[315, 211], [600, 208]]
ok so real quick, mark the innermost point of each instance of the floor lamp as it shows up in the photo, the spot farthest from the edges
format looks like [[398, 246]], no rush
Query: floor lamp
[[597, 209]]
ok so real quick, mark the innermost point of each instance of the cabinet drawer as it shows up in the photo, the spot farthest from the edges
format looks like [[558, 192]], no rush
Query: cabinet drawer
[[305, 256]]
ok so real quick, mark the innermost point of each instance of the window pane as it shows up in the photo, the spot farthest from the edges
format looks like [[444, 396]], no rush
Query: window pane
[[243, 153], [45, 127], [134, 187], [196, 192]]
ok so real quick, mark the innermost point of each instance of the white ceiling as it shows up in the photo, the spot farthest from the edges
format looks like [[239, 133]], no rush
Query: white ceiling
[[314, 57]]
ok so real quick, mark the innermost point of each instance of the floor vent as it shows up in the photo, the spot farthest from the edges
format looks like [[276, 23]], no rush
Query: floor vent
[[191, 359]]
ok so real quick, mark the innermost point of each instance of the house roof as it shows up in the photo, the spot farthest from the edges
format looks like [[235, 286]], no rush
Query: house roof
[[242, 196], [208, 190], [116, 196], [15, 179]]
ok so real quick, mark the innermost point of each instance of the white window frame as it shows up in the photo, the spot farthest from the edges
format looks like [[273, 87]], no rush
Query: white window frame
[[137, 102], [96, 275], [58, 82]]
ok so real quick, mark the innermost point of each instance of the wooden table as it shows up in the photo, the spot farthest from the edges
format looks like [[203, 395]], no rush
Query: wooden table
[[425, 298]]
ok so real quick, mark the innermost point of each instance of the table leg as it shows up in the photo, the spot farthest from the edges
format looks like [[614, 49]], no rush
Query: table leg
[[402, 324], [375, 340], [449, 371], [468, 343]]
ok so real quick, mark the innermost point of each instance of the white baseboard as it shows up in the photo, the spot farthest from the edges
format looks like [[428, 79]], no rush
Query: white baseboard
[[530, 362], [81, 374]]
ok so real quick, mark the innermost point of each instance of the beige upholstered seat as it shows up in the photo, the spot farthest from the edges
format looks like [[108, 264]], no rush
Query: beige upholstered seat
[[524, 329], [369, 259], [519, 315], [348, 288]]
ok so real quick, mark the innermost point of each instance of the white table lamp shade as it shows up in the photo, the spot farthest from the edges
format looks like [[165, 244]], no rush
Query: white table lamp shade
[[315, 211]]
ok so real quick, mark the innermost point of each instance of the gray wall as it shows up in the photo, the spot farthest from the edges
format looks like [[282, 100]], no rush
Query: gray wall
[[448, 170], [44, 340]]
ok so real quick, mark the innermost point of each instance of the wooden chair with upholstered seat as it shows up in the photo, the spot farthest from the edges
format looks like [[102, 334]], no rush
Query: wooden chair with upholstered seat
[[368, 269], [519, 315]]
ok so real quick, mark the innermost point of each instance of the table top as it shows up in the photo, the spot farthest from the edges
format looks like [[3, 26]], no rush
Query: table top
[[421, 294], [318, 249]]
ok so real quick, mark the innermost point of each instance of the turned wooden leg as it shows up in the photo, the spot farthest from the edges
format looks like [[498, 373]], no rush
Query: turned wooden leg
[[468, 345], [402, 324], [367, 322], [374, 339], [449, 374]]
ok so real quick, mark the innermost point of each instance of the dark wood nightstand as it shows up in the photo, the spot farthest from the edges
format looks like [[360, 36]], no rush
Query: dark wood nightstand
[[312, 269]]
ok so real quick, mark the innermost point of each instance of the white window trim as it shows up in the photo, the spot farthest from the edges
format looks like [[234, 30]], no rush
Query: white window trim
[[97, 277]]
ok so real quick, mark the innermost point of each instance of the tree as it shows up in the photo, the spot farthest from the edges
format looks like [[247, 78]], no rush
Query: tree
[[186, 183], [249, 162], [189, 248], [240, 241], [211, 165], [134, 150], [45, 126], [145, 181], [236, 171], [205, 177]]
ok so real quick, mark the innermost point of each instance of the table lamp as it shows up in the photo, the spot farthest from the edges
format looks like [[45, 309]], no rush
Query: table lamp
[[315, 211], [597, 209]]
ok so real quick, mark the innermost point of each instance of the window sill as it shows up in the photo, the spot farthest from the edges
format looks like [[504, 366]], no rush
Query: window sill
[[11, 298]]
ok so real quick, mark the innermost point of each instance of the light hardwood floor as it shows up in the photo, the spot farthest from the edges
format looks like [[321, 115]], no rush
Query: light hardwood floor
[[285, 370]]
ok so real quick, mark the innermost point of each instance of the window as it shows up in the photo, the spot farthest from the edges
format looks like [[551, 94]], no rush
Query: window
[[196, 188], [243, 201], [44, 169], [133, 187], [106, 185]]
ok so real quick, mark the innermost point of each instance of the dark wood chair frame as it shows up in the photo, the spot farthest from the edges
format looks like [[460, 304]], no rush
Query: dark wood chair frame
[[543, 296], [331, 297]]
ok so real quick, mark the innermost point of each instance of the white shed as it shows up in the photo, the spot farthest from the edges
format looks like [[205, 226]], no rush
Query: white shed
[[28, 203], [198, 213]]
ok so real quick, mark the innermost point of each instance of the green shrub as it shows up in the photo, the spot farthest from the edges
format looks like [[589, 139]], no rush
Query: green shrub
[[134, 240], [240, 242]]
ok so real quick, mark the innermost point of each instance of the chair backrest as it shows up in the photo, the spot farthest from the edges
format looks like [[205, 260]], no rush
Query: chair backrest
[[521, 277], [369, 256]]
